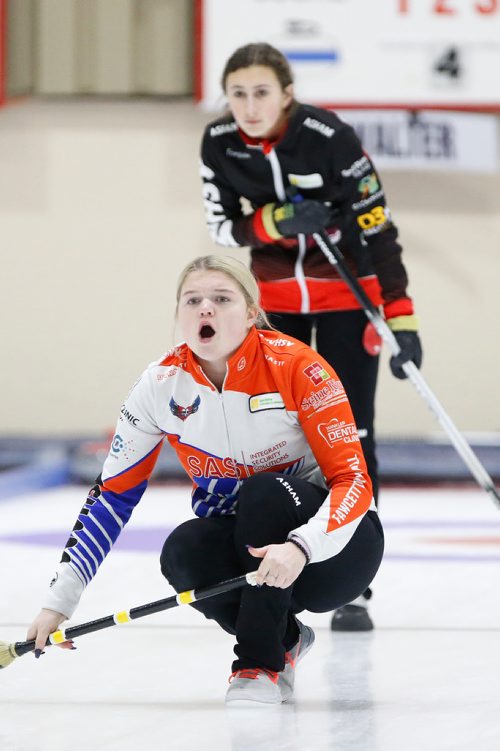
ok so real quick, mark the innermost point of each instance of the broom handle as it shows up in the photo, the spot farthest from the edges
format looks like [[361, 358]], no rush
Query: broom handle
[[124, 616]]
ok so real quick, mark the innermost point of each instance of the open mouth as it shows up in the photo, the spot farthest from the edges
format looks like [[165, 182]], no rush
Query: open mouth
[[206, 332]]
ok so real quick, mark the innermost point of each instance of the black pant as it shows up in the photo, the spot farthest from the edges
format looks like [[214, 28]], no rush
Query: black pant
[[339, 340], [205, 551]]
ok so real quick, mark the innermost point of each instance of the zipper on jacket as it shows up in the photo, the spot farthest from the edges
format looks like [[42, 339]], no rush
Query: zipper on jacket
[[279, 187], [305, 305], [228, 435]]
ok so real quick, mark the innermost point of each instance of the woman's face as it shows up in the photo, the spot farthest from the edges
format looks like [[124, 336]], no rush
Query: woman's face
[[257, 101], [213, 315]]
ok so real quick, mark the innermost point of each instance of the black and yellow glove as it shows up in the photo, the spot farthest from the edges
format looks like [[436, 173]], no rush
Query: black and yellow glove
[[289, 219], [405, 329]]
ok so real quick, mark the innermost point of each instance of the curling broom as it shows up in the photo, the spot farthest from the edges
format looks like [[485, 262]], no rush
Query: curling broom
[[9, 652]]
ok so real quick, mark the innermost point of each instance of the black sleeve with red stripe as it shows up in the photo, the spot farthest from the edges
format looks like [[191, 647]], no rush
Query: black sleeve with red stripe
[[367, 224]]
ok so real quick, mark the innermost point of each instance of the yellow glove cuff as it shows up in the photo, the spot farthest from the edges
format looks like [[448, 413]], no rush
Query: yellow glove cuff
[[403, 323], [268, 221]]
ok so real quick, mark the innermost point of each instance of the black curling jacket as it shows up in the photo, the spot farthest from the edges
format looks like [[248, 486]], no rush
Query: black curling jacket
[[321, 157]]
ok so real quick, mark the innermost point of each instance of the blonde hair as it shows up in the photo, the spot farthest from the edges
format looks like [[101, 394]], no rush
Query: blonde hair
[[235, 270]]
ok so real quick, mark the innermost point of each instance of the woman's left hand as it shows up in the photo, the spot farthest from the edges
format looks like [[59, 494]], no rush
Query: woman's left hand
[[280, 566]]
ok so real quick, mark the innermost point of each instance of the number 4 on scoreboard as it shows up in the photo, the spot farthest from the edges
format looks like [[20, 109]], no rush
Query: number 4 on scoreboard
[[449, 64]]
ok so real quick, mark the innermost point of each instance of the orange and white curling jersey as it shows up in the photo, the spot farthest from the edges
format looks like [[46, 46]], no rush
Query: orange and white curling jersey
[[282, 409]]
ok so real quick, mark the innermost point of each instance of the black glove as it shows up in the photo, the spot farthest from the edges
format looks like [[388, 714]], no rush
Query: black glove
[[411, 351], [303, 217]]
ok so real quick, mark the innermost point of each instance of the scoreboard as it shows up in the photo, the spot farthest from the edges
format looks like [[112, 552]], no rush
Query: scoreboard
[[384, 54]]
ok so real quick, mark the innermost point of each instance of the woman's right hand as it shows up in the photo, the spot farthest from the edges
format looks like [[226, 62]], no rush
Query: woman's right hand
[[305, 217], [46, 622]]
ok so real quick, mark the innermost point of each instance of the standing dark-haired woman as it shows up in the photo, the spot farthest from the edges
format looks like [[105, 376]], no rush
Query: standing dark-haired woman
[[271, 150]]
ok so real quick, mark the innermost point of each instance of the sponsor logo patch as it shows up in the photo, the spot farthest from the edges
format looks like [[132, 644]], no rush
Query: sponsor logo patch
[[128, 416], [316, 373], [212, 466], [358, 168], [274, 460], [338, 430], [277, 342], [352, 496], [167, 373], [325, 130], [293, 493], [261, 402], [314, 180], [274, 361], [367, 201], [174, 352], [184, 412], [269, 457], [237, 154], [219, 130], [373, 221], [330, 394], [119, 445], [368, 185]]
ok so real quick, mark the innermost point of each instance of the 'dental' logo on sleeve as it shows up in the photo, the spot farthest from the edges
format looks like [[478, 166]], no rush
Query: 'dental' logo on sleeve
[[336, 430]]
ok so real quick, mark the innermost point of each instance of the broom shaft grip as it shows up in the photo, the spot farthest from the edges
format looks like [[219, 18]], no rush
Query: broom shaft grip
[[124, 616]]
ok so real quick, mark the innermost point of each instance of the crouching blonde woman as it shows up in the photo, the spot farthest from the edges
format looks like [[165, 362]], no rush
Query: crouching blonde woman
[[262, 426]]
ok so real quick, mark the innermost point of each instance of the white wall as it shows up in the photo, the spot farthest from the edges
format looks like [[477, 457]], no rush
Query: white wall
[[100, 209]]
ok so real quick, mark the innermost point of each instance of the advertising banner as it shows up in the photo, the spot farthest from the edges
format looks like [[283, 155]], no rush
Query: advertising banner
[[402, 139]]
